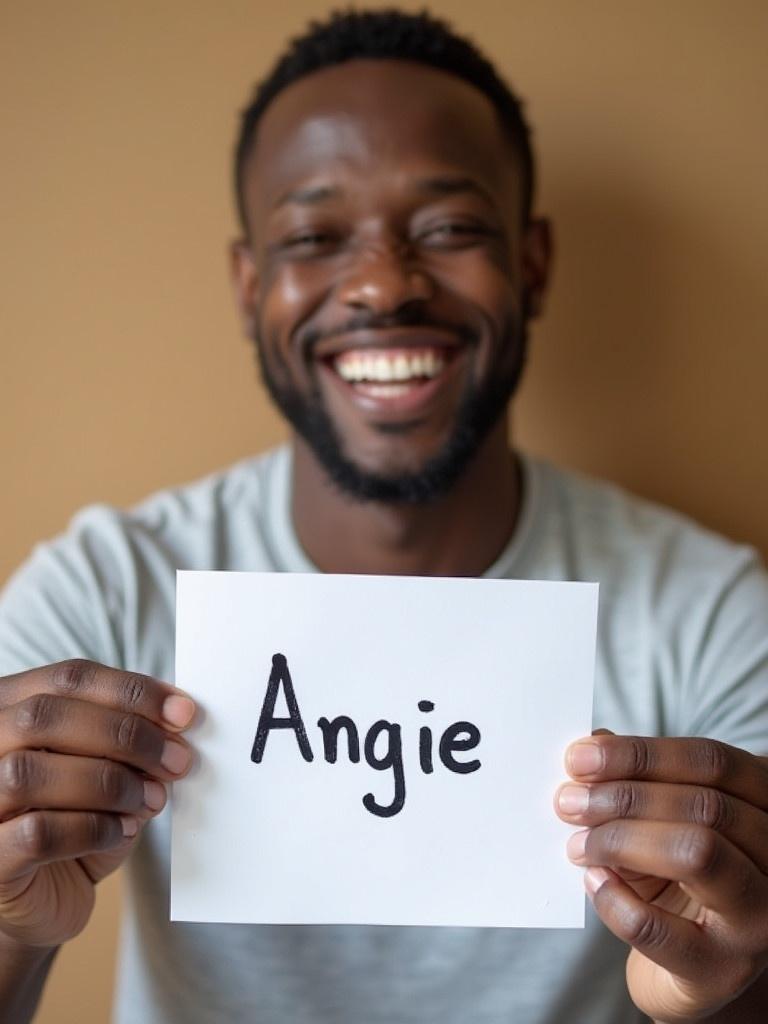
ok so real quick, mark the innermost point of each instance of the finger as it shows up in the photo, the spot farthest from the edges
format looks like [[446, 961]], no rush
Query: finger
[[672, 942], [706, 865], [37, 780], [87, 680], [68, 726], [741, 823], [694, 761], [42, 837]]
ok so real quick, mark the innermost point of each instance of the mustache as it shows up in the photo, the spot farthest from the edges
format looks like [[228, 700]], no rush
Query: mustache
[[310, 338]]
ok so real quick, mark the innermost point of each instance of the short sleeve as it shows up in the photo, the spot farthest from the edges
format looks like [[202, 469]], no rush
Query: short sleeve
[[726, 691], [56, 606]]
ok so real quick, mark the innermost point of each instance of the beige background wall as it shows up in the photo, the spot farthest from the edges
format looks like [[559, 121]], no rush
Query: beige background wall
[[121, 365]]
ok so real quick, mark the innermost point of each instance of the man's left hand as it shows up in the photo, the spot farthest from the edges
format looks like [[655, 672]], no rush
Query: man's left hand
[[676, 851]]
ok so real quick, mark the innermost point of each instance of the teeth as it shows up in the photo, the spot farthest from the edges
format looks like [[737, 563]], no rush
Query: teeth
[[387, 368], [386, 390], [401, 370]]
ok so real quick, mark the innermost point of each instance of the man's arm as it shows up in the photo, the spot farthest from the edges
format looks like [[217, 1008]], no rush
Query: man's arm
[[23, 970]]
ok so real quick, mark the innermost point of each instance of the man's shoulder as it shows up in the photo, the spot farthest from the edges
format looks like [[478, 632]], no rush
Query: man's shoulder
[[204, 523], [85, 592], [203, 504], [614, 526]]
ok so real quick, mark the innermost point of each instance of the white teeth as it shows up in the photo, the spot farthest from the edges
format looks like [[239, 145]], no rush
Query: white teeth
[[401, 368], [386, 390], [387, 368]]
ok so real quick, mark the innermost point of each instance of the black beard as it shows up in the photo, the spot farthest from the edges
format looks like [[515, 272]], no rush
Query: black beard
[[478, 413]]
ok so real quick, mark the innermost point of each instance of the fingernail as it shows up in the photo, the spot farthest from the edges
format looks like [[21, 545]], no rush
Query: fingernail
[[577, 844], [585, 759], [154, 795], [175, 757], [594, 879], [130, 825], [573, 799], [178, 711]]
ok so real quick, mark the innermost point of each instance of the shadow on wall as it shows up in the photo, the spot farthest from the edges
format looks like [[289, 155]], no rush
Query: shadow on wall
[[636, 363]]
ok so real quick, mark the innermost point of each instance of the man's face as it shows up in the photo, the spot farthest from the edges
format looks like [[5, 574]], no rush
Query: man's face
[[389, 274]]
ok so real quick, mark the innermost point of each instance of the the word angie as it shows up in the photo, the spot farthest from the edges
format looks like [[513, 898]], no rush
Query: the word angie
[[460, 736]]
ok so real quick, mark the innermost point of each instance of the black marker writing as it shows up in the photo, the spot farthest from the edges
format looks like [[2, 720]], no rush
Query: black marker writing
[[459, 736], [331, 731], [425, 740], [450, 741], [392, 759], [267, 720]]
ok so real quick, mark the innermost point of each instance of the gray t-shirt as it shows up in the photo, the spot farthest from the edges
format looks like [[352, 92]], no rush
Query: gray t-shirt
[[682, 650]]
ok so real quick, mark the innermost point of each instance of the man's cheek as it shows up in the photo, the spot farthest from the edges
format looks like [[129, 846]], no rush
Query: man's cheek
[[280, 299], [287, 291], [292, 297], [276, 336]]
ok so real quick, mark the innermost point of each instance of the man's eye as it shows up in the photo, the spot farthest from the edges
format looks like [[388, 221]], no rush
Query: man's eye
[[454, 234], [308, 240]]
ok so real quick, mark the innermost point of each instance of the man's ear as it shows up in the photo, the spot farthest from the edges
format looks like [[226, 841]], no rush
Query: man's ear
[[536, 263], [245, 279]]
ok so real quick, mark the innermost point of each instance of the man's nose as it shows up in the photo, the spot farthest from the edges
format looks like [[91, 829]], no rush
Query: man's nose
[[383, 280]]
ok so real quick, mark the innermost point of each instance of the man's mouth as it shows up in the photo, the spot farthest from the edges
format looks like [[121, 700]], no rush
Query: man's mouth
[[395, 375], [389, 372]]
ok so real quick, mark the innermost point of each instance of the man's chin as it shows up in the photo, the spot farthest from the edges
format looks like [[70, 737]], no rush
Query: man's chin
[[362, 484], [401, 477]]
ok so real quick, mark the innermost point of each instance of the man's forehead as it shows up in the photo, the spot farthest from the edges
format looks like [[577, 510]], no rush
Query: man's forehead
[[376, 112]]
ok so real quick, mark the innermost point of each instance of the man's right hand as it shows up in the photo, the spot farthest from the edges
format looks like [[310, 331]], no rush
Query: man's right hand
[[85, 752]]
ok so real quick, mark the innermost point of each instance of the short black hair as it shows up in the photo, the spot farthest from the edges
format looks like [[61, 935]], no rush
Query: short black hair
[[387, 34]]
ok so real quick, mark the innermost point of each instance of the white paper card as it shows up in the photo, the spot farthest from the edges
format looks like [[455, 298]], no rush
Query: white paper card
[[379, 840]]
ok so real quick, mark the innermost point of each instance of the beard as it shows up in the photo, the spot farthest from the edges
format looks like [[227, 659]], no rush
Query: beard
[[479, 411]]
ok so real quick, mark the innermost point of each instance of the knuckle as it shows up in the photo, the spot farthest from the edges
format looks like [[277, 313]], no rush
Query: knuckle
[[644, 929], [35, 836], [626, 799], [34, 714], [640, 757], [97, 831], [134, 689], [16, 771], [713, 761], [126, 732], [712, 809], [68, 677], [609, 837], [698, 850], [113, 785]]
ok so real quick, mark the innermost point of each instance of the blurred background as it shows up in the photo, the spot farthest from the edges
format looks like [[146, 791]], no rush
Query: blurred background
[[122, 367]]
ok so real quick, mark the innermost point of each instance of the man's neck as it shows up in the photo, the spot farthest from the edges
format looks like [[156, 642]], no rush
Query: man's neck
[[460, 534]]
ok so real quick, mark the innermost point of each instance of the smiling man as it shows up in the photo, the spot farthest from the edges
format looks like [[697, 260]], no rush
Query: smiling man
[[388, 273], [389, 266]]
